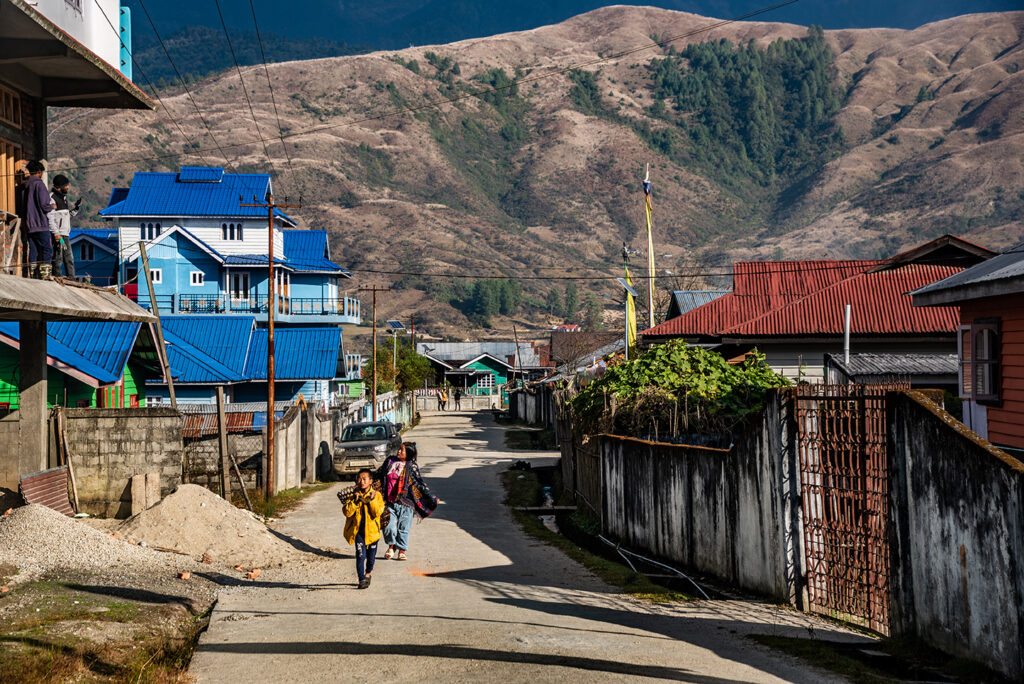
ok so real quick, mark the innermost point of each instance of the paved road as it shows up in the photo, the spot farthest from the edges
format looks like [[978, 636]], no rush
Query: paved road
[[477, 601]]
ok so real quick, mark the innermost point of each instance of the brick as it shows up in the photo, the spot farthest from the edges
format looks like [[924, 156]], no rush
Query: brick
[[184, 575], [256, 571]]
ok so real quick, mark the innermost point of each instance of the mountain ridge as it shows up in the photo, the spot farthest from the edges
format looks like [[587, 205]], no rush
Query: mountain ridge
[[930, 123]]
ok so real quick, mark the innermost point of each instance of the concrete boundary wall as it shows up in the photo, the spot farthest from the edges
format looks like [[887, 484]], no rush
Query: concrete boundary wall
[[957, 521], [727, 512]]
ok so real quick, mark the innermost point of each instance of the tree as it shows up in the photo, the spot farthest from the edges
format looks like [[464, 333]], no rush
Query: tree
[[511, 296], [384, 369], [553, 302], [572, 301], [593, 314], [413, 369]]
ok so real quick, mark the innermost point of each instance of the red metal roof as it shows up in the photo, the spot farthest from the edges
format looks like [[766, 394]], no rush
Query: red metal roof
[[787, 298], [759, 287], [879, 305]]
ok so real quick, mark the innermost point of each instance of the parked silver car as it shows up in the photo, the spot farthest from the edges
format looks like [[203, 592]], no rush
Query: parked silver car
[[366, 445]]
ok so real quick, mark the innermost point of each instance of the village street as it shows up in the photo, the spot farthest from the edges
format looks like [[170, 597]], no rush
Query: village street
[[478, 600]]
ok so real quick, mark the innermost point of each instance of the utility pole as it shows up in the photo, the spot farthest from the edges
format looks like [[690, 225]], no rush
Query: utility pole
[[373, 359], [270, 206], [412, 330], [162, 348]]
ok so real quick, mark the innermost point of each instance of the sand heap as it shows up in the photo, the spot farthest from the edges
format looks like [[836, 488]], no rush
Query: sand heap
[[37, 539], [196, 521]]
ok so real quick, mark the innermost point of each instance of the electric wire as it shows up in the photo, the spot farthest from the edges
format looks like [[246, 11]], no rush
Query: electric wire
[[166, 110], [273, 100], [181, 80], [549, 72], [245, 91]]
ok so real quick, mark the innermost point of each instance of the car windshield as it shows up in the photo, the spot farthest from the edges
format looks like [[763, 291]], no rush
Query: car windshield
[[362, 433]]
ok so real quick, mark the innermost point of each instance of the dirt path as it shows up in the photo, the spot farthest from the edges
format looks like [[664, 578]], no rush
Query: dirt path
[[478, 601]]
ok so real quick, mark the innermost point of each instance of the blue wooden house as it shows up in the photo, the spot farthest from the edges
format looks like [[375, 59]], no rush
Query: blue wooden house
[[208, 254]]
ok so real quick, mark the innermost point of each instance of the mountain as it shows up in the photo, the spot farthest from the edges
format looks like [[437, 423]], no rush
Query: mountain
[[763, 139], [401, 23]]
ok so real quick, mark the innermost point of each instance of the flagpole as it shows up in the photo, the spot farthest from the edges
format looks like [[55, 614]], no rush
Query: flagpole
[[650, 244]]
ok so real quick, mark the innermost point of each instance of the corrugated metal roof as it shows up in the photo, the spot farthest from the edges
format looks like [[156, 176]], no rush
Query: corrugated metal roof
[[99, 349], [758, 288], [190, 364], [299, 354], [165, 194], [117, 195], [307, 250], [222, 339], [101, 235], [688, 300], [200, 174], [1008, 265], [463, 351], [880, 305], [896, 364]]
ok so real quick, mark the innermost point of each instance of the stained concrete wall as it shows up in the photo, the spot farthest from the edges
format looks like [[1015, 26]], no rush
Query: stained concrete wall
[[957, 531], [288, 450], [109, 446], [730, 513]]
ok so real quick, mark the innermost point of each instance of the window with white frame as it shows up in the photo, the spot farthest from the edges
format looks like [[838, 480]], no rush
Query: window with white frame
[[149, 231], [485, 380], [156, 275], [231, 231], [198, 277], [86, 251], [239, 286], [978, 351]]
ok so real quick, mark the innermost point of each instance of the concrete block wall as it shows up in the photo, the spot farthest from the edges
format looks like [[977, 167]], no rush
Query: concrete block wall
[[110, 446], [957, 532], [203, 460]]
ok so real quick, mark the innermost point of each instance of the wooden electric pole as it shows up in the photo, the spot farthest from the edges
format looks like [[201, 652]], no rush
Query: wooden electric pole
[[161, 347], [373, 359], [270, 206]]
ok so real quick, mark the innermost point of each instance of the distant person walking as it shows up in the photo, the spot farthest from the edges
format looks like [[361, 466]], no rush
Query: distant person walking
[[35, 203], [458, 399], [363, 508], [444, 399], [440, 400], [60, 227], [406, 495]]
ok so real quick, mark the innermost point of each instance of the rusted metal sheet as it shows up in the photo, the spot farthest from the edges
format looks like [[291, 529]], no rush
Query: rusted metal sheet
[[841, 442], [47, 488]]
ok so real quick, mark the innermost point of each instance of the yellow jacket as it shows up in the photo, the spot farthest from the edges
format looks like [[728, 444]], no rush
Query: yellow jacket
[[356, 504]]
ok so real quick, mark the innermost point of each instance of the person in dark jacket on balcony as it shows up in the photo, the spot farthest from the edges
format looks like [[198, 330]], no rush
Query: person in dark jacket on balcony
[[36, 204]]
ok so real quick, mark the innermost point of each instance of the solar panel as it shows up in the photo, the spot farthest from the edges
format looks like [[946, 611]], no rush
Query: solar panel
[[396, 325]]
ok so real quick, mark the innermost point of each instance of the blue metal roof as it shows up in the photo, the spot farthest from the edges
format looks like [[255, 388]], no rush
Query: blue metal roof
[[99, 349], [190, 364], [200, 174], [224, 339], [299, 354], [199, 194], [306, 250], [117, 195], [102, 235]]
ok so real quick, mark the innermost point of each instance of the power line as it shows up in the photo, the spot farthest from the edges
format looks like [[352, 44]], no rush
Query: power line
[[166, 110], [433, 104], [181, 79], [273, 100], [245, 91]]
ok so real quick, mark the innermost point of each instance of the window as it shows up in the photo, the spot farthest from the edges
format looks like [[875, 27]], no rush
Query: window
[[486, 380], [156, 275], [978, 349], [149, 231], [239, 286], [9, 156], [87, 251], [231, 231], [10, 107], [198, 277], [133, 401]]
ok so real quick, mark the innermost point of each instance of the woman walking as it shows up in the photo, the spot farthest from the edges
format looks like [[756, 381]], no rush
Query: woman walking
[[405, 495]]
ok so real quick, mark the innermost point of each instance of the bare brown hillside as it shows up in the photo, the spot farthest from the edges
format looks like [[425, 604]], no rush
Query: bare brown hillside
[[931, 124]]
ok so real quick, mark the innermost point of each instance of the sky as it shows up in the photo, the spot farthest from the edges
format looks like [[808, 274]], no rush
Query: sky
[[398, 23]]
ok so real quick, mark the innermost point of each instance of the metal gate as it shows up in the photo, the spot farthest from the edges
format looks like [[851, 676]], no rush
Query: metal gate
[[844, 469]]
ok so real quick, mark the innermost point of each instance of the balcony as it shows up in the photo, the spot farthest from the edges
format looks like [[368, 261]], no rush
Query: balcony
[[289, 309]]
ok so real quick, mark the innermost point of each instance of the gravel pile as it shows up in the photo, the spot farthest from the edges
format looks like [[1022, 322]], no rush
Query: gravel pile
[[196, 521], [38, 540]]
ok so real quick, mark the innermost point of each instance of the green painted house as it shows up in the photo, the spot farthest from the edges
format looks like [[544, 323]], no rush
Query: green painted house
[[93, 364]]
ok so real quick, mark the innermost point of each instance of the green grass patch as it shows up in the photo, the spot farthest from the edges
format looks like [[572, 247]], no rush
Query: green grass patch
[[888, 660], [280, 503], [523, 488]]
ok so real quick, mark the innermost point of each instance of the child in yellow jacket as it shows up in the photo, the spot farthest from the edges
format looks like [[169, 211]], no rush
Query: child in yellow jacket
[[363, 508]]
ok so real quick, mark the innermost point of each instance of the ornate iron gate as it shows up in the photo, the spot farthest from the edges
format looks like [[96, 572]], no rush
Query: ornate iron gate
[[841, 442]]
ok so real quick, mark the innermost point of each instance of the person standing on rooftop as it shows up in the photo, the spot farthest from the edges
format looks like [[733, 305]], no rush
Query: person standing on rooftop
[[36, 203]]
